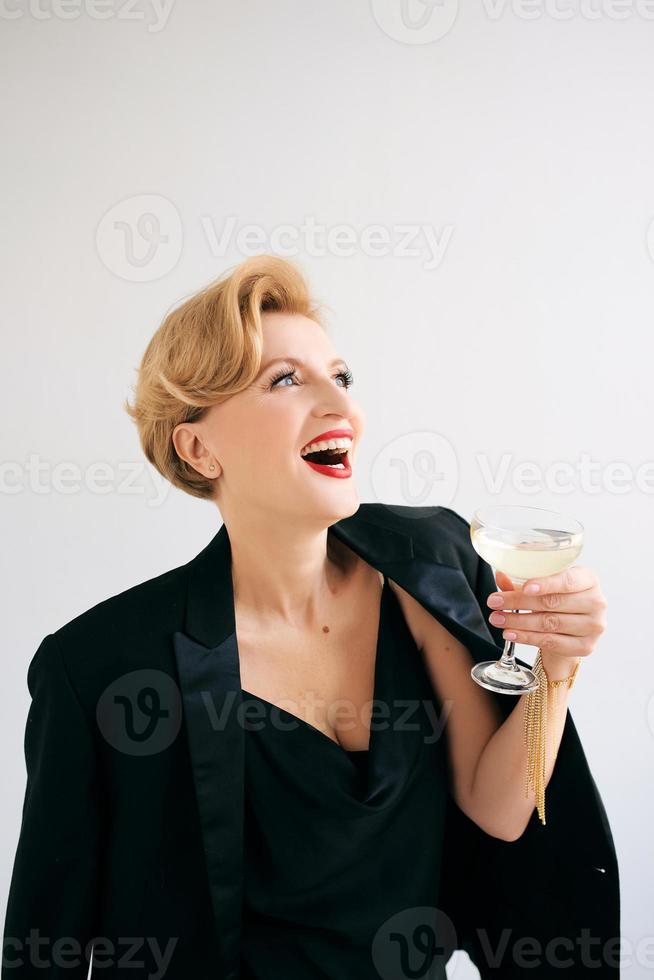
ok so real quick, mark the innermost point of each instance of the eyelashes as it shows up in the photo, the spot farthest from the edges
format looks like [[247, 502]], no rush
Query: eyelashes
[[347, 376], [283, 373]]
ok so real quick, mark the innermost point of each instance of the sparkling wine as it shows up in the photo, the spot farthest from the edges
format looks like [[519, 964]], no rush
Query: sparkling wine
[[546, 552]]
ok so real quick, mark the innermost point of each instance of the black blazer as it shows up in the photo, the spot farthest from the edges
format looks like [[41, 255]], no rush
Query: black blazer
[[132, 823]]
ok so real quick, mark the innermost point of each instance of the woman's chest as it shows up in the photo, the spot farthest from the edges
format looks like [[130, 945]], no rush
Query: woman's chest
[[325, 679]]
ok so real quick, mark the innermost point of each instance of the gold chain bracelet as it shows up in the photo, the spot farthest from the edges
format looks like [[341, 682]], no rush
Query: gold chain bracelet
[[535, 729]]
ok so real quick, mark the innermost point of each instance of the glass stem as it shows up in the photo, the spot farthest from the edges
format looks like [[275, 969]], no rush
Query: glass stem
[[507, 660]]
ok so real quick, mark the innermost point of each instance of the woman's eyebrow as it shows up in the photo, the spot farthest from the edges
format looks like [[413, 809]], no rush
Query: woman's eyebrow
[[297, 362]]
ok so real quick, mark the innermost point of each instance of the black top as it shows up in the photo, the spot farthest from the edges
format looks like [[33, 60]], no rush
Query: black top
[[343, 848]]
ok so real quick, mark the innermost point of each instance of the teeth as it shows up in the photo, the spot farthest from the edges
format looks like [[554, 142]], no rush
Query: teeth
[[340, 444]]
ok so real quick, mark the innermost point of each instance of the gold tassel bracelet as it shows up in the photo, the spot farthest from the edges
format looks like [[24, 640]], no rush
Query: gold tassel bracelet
[[535, 729]]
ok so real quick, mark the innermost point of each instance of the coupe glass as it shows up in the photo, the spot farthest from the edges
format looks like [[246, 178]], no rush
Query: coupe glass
[[524, 543]]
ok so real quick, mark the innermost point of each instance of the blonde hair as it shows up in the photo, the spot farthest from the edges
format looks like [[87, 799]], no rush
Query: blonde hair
[[207, 349]]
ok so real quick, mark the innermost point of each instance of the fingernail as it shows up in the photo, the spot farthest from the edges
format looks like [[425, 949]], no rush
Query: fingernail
[[495, 601], [532, 589], [509, 635]]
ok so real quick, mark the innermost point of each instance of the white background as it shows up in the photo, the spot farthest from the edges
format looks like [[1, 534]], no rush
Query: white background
[[519, 137]]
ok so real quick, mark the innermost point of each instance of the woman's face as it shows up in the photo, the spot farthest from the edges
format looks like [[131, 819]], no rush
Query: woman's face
[[255, 437]]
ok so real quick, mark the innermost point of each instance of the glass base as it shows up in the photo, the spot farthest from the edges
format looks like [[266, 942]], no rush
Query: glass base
[[504, 680]]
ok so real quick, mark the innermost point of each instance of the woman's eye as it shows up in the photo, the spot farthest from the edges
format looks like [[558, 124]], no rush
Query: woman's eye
[[282, 377], [347, 376]]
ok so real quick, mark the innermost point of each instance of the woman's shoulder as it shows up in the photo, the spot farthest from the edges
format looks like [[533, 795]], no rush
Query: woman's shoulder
[[125, 628], [437, 533], [138, 599]]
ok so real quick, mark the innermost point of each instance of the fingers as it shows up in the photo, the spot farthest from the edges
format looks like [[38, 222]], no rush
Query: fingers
[[571, 624], [560, 643], [577, 578], [591, 601]]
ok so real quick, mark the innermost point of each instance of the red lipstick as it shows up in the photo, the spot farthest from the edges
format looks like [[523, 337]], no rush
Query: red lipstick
[[341, 472]]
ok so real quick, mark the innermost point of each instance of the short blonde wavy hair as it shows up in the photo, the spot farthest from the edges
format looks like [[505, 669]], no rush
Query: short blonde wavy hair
[[207, 349]]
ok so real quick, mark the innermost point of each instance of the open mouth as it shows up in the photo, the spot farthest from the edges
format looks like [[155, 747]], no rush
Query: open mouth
[[331, 461], [335, 458]]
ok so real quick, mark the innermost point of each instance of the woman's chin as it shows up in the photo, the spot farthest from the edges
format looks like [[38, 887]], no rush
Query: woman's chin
[[332, 499]]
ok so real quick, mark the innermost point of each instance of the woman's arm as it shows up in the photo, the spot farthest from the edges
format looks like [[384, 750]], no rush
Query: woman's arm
[[52, 908], [567, 615], [488, 754], [498, 784], [471, 716]]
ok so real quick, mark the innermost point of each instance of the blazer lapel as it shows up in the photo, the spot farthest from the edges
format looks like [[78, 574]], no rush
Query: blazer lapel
[[208, 669], [206, 654]]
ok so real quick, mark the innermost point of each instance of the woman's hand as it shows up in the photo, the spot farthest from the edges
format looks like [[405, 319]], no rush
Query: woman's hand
[[568, 612]]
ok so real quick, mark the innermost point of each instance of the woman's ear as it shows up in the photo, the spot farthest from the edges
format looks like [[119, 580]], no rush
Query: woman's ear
[[190, 447]]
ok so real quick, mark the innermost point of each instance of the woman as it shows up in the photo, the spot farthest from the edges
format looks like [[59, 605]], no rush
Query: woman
[[332, 796]]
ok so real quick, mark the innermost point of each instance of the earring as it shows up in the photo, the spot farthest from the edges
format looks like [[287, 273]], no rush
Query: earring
[[212, 467]]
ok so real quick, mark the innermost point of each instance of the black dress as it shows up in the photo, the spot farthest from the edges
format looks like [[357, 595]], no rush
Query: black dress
[[343, 848]]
